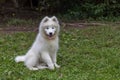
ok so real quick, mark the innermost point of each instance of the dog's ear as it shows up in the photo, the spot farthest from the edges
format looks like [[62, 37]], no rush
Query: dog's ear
[[45, 19], [55, 19]]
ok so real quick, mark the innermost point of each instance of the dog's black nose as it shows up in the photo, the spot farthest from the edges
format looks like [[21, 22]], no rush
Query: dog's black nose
[[50, 33]]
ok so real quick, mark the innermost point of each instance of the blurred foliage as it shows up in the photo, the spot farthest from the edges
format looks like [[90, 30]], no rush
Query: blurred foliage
[[95, 9], [78, 9]]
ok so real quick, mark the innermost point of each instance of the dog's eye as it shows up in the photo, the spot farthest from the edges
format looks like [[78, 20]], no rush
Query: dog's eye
[[52, 27], [47, 28]]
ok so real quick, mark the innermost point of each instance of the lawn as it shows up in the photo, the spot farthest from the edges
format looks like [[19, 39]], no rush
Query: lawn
[[91, 53]]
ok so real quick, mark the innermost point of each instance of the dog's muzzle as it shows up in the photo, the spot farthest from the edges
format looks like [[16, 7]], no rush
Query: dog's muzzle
[[50, 34]]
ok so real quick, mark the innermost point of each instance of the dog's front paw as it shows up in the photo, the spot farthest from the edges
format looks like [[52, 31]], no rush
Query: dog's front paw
[[51, 67], [56, 65]]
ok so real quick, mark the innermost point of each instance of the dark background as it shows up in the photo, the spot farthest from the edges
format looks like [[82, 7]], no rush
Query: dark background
[[66, 9]]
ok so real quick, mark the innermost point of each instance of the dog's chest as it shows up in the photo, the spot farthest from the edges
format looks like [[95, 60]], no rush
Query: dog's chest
[[52, 47]]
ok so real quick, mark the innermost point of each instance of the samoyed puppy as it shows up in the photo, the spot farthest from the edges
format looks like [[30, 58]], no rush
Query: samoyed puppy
[[43, 53]]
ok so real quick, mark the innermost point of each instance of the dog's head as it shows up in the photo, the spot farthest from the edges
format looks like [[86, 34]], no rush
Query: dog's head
[[49, 27]]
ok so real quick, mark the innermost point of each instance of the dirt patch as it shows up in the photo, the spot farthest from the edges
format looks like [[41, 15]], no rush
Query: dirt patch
[[34, 28], [14, 29], [81, 25]]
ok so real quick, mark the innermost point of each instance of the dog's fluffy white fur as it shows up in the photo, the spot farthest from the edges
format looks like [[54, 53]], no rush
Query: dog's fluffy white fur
[[43, 52]]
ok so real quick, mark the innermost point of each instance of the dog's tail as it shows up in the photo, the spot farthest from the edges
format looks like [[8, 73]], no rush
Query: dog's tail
[[20, 58]]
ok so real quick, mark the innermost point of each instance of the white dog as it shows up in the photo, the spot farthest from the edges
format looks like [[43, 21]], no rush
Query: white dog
[[42, 54]]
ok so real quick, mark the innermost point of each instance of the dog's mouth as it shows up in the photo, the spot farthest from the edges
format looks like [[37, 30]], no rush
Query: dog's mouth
[[51, 36]]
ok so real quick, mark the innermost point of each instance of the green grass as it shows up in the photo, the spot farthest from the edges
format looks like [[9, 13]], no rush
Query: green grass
[[91, 53]]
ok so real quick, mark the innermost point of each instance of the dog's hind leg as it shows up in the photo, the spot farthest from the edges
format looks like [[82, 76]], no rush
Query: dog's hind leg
[[33, 68], [31, 62], [46, 58], [42, 67]]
